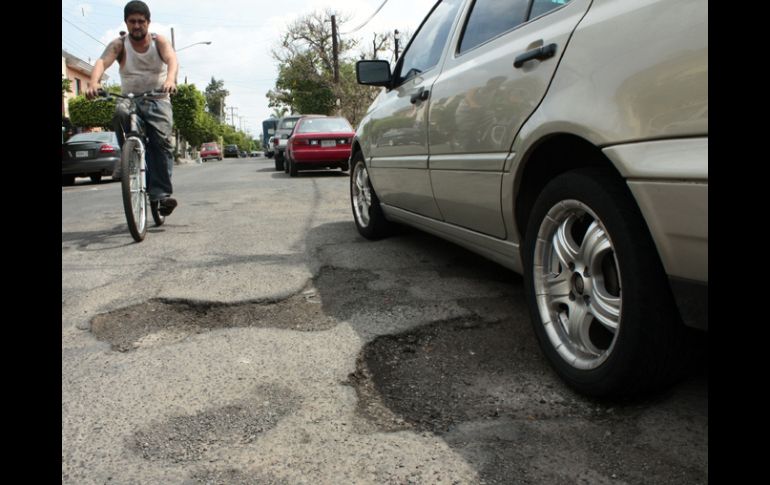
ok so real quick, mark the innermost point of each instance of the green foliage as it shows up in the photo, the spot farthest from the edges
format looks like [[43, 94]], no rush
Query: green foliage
[[303, 87], [87, 113], [66, 85], [215, 98], [305, 82], [91, 113]]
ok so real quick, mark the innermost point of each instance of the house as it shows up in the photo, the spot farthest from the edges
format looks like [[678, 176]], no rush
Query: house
[[78, 72]]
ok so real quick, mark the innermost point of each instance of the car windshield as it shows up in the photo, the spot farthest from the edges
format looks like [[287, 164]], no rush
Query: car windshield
[[103, 136], [324, 125]]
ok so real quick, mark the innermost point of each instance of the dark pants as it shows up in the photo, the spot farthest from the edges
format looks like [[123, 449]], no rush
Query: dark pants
[[156, 117]]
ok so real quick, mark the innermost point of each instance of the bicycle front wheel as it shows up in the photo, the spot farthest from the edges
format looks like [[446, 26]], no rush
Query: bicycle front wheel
[[134, 188]]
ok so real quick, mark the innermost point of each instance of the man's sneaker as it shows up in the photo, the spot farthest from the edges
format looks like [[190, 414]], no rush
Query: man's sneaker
[[166, 206]]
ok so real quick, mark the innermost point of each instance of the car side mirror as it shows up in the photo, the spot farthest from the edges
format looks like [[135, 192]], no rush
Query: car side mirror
[[373, 73]]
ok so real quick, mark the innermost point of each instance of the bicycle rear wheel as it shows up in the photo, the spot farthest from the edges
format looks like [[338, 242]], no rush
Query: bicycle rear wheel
[[134, 188]]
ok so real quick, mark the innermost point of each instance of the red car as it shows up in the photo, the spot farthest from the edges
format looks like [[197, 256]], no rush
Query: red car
[[319, 142], [211, 150]]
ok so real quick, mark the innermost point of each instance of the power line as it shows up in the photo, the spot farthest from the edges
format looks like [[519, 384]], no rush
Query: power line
[[367, 20], [91, 36]]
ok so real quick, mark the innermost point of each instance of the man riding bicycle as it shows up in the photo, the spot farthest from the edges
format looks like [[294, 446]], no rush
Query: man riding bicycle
[[147, 63]]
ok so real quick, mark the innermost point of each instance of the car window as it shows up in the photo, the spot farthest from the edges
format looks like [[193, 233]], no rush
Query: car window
[[328, 125], [490, 18], [539, 7], [425, 49], [105, 136], [288, 124]]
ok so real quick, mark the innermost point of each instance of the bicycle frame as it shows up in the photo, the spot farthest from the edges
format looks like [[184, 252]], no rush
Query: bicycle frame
[[134, 172]]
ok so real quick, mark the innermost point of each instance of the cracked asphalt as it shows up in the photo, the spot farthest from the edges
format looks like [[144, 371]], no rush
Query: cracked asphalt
[[255, 338]]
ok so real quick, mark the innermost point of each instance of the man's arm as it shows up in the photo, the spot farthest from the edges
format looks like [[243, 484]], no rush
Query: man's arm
[[111, 52], [168, 55]]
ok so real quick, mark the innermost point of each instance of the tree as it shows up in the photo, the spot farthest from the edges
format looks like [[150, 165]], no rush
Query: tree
[[312, 33], [193, 123], [302, 87], [305, 81], [278, 112], [215, 98], [66, 85], [87, 113]]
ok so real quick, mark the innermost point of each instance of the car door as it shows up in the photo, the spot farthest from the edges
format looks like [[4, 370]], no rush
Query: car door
[[495, 75], [399, 126]]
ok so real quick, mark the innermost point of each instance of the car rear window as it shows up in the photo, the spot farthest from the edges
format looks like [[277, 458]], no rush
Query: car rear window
[[328, 125], [209, 146], [288, 124], [104, 136]]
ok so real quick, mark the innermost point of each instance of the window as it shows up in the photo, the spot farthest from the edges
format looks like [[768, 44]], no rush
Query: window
[[426, 46], [539, 7], [490, 18], [77, 86], [328, 125]]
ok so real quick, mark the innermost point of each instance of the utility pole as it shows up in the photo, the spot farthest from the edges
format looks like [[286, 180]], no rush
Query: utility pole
[[232, 116], [334, 51], [395, 41], [176, 131]]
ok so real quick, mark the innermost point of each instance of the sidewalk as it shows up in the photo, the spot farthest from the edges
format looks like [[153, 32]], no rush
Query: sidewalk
[[181, 161]]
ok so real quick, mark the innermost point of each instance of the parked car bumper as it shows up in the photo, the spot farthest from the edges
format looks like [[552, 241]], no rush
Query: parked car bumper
[[321, 155], [84, 168]]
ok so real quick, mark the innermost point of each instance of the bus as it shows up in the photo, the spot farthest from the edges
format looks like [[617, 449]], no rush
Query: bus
[[268, 129]]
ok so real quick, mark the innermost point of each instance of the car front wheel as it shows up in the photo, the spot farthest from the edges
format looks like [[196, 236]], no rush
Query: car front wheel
[[370, 220], [599, 299]]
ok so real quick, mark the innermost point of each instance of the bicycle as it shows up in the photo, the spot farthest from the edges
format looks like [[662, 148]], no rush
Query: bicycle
[[133, 170]]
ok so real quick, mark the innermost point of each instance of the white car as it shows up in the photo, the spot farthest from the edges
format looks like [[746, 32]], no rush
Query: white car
[[568, 141]]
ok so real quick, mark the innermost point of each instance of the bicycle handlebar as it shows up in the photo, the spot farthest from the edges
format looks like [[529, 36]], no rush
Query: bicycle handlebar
[[148, 94]]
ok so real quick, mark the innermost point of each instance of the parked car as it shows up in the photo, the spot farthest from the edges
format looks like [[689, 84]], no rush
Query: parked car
[[254, 153], [243, 153], [270, 148], [319, 142], [231, 151], [210, 151], [570, 144], [282, 133], [91, 155]]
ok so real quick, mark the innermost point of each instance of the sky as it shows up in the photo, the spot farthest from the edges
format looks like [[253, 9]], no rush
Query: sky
[[242, 34]]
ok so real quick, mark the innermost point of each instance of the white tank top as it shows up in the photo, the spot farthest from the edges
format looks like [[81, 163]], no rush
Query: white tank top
[[142, 72]]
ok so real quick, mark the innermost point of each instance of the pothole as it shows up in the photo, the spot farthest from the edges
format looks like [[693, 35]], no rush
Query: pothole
[[164, 322], [445, 373], [486, 390], [213, 432]]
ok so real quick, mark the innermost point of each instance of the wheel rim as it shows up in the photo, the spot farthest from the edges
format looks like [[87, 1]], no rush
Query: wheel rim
[[577, 284], [138, 192], [361, 194]]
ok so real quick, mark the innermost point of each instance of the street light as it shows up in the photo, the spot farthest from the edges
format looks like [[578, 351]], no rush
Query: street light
[[185, 47]]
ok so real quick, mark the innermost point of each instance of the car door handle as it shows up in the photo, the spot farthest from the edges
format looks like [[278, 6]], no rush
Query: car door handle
[[541, 53], [421, 95]]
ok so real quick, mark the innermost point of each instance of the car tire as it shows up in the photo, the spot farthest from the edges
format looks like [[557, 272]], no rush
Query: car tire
[[367, 212], [599, 299], [345, 166], [96, 178], [292, 167], [280, 163]]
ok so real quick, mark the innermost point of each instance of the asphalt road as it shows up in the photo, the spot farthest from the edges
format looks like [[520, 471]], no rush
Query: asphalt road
[[257, 338]]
